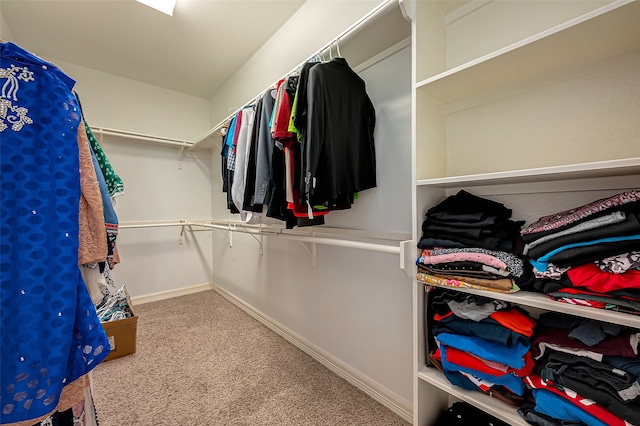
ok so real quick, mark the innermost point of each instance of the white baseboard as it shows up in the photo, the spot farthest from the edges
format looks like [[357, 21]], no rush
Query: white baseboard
[[168, 294], [341, 369]]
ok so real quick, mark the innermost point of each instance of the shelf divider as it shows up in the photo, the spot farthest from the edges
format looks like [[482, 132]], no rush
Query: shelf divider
[[541, 301], [484, 402], [597, 169]]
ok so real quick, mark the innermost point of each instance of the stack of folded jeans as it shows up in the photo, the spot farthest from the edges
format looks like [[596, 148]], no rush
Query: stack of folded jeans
[[471, 242], [590, 255], [482, 344], [585, 370]]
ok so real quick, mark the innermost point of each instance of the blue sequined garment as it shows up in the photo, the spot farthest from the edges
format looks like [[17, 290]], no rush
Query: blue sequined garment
[[50, 334]]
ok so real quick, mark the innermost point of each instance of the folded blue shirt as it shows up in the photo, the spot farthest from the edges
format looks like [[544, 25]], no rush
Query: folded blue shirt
[[487, 329], [513, 357], [556, 406]]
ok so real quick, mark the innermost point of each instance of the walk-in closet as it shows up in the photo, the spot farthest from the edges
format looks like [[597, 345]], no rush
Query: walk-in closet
[[311, 212]]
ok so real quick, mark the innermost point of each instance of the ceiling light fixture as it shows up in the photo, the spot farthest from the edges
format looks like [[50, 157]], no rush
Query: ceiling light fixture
[[164, 6]]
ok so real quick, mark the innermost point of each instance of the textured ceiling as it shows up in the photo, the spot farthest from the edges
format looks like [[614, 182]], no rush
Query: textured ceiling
[[195, 52]]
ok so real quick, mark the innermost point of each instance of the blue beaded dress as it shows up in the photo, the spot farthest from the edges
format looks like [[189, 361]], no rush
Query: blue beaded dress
[[50, 334]]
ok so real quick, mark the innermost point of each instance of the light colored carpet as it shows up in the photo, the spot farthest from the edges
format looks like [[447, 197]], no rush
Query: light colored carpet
[[201, 360]]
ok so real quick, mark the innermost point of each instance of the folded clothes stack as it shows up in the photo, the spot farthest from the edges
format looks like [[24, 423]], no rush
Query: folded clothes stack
[[471, 242], [481, 344], [557, 369], [585, 371], [589, 255]]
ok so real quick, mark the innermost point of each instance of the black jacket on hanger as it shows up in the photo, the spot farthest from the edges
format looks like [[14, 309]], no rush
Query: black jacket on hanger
[[338, 146]]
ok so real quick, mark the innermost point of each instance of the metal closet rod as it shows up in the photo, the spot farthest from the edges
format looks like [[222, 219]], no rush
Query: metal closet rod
[[141, 137], [344, 35], [262, 230], [131, 225]]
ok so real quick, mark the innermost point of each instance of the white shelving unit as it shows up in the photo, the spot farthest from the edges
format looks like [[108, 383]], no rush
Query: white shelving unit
[[532, 104]]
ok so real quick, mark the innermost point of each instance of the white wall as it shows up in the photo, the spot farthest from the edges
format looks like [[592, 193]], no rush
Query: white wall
[[5, 31], [354, 304], [155, 189], [117, 102], [311, 27]]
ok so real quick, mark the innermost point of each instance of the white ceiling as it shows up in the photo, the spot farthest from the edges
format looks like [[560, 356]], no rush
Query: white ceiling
[[195, 52]]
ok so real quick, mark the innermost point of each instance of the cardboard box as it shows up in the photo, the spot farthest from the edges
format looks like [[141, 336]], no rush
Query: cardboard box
[[122, 335]]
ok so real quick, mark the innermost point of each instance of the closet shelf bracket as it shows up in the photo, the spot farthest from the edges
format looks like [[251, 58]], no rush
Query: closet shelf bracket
[[256, 235], [226, 229], [181, 237], [310, 247], [180, 157], [229, 235]]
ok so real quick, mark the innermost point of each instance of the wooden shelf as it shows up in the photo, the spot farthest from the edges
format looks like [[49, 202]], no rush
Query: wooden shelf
[[484, 402], [607, 31], [598, 169], [541, 301]]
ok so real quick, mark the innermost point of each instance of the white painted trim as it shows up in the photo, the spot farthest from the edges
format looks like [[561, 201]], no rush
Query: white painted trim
[[341, 369], [169, 294]]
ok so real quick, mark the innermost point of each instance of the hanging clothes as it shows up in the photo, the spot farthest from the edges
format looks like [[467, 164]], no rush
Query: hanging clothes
[[260, 157], [264, 153], [277, 204], [244, 137], [110, 216], [276, 171], [92, 238], [338, 146], [51, 335], [228, 156], [251, 163], [295, 161], [110, 185], [115, 186]]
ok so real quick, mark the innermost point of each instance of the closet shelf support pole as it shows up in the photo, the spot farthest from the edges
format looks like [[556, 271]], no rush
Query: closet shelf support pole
[[181, 237], [230, 235], [311, 249], [253, 235], [225, 229], [180, 157]]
